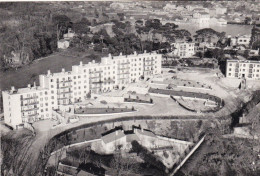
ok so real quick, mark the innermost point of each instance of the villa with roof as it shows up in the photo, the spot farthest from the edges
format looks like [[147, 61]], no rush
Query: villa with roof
[[122, 140]]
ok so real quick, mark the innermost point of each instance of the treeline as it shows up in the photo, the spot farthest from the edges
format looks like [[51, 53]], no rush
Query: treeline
[[126, 37], [28, 33]]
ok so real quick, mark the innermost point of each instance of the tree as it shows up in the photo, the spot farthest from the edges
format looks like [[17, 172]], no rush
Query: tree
[[207, 34], [123, 166], [82, 27], [62, 22]]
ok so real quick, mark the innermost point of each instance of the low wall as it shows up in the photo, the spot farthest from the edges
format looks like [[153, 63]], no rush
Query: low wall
[[107, 114], [175, 140], [188, 156], [185, 94], [75, 145], [29, 127]]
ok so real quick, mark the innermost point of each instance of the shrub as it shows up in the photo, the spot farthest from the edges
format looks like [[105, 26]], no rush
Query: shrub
[[165, 154], [103, 102]]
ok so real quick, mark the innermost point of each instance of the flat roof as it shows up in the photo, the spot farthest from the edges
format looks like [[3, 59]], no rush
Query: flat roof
[[26, 90], [243, 61]]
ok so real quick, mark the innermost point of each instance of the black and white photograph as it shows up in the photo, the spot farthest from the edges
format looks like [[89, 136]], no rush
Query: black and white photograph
[[130, 88]]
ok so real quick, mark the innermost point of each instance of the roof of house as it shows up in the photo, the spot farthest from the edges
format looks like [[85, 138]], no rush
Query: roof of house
[[84, 173], [113, 136], [145, 132], [204, 13], [63, 40], [132, 137], [69, 170]]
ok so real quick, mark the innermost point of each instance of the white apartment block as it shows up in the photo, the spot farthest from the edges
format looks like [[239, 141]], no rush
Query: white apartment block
[[201, 18], [241, 40], [243, 69], [183, 49], [58, 89]]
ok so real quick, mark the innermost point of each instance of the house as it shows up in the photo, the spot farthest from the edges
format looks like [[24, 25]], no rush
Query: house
[[221, 10], [212, 12], [240, 40], [199, 10], [201, 18], [69, 35], [129, 139], [63, 44], [169, 7], [222, 21], [183, 49], [243, 69], [65, 170], [254, 52], [147, 138], [112, 141]]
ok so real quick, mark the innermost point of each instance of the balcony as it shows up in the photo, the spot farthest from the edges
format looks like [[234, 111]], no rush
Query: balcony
[[123, 78], [64, 87], [28, 98], [98, 71], [32, 109], [125, 63], [94, 77], [97, 82], [64, 98], [123, 73], [35, 114], [67, 92], [125, 68], [64, 81], [31, 103], [95, 87]]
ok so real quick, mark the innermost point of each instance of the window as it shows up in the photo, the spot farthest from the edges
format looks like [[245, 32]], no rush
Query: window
[[51, 80], [46, 104]]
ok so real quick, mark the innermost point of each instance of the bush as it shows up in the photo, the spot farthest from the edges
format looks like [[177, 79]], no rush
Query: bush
[[103, 102], [165, 154]]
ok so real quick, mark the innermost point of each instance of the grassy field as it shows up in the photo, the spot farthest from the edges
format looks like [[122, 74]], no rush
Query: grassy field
[[55, 62]]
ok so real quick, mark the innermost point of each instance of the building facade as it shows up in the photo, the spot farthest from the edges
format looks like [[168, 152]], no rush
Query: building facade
[[201, 18], [243, 69], [33, 103], [241, 40], [183, 49]]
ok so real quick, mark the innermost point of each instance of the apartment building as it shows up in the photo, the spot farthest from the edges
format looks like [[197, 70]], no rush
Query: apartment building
[[183, 49], [201, 18], [26, 105], [241, 40], [67, 87], [243, 69]]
